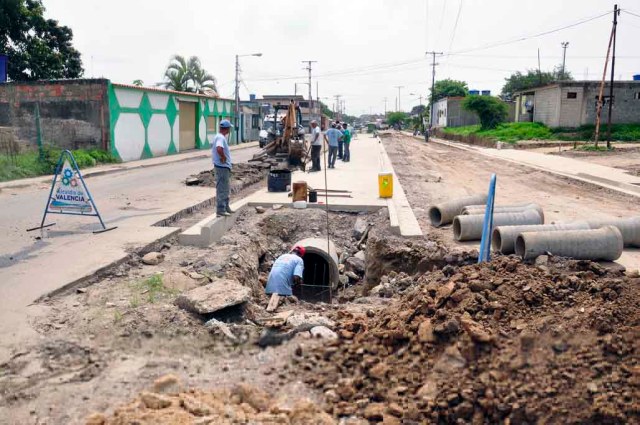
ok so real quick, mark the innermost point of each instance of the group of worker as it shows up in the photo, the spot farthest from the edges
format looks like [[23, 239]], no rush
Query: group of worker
[[338, 138]]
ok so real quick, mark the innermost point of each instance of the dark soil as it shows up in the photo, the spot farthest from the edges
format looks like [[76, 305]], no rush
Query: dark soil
[[504, 342]]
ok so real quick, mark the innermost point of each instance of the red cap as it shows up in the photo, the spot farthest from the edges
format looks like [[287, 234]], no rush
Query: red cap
[[300, 249]]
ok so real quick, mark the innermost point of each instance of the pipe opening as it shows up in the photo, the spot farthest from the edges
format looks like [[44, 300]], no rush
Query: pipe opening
[[456, 228], [316, 278], [520, 246], [496, 240], [435, 216]]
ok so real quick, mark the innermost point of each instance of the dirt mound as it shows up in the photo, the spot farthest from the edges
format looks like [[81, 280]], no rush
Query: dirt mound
[[239, 405], [503, 342]]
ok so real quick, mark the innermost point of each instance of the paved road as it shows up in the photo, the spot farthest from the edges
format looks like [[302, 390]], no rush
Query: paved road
[[32, 264]]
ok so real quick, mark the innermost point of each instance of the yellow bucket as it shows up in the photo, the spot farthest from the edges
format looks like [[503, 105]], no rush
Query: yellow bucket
[[385, 185]]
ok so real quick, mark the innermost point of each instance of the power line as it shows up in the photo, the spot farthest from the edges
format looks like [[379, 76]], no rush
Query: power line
[[455, 26], [523, 38], [630, 13]]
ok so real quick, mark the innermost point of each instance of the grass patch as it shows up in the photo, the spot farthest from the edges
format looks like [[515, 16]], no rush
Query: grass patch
[[515, 131], [153, 289], [29, 164], [593, 148]]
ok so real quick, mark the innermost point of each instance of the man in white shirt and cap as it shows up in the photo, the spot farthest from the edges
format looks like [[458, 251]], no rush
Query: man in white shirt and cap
[[222, 165]]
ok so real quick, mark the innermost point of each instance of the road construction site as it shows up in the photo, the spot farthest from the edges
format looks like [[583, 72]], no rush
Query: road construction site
[[180, 333]]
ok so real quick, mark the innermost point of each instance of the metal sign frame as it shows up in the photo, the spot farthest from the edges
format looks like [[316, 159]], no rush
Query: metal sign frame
[[76, 170]]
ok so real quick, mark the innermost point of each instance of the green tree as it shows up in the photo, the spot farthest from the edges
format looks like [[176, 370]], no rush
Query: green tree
[[188, 75], [448, 88], [138, 83], [396, 118], [38, 48], [492, 111], [519, 81], [326, 111]]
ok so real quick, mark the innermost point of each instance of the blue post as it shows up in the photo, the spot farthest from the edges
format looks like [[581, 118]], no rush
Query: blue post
[[487, 226]]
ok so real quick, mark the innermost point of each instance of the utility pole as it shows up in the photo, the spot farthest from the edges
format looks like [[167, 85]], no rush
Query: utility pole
[[433, 83], [596, 135], [564, 45], [616, 13], [237, 111], [237, 91], [308, 68], [337, 106], [399, 101]]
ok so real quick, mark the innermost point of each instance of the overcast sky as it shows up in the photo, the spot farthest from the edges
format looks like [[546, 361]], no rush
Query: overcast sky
[[363, 48]]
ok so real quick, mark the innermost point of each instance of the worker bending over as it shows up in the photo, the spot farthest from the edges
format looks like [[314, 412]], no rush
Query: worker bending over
[[287, 271]]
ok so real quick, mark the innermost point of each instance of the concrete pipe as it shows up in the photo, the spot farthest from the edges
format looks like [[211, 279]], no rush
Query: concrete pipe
[[444, 213], [469, 227], [629, 227], [480, 209], [504, 238], [599, 244], [320, 265]]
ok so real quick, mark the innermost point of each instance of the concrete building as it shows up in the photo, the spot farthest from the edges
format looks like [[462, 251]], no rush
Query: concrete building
[[573, 103], [130, 121], [448, 112]]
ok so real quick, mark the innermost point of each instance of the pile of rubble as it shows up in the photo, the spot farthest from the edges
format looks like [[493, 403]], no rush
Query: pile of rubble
[[491, 343], [168, 403], [242, 175]]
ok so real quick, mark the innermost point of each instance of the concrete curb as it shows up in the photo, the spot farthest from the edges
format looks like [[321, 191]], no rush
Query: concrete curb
[[17, 184], [620, 187]]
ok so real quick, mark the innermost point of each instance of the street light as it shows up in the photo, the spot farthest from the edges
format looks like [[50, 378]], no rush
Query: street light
[[237, 117]]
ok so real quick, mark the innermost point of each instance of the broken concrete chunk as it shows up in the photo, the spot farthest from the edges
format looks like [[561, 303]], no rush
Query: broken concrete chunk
[[359, 228], [277, 207], [260, 210], [194, 406], [155, 401], [167, 384], [216, 326], [355, 264], [215, 296], [352, 276], [360, 255], [323, 332], [309, 319], [153, 258]]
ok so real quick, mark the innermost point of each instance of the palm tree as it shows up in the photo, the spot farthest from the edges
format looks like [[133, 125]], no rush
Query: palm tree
[[201, 79], [177, 75], [138, 83], [188, 75]]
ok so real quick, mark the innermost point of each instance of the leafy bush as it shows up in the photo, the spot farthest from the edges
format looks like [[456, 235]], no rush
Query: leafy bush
[[490, 110], [29, 164]]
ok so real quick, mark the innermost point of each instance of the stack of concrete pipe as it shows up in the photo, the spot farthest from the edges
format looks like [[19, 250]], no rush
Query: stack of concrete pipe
[[469, 227], [605, 243], [444, 213], [588, 240]]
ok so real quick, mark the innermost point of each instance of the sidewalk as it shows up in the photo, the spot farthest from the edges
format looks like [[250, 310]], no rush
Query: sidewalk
[[358, 177], [600, 175], [131, 165]]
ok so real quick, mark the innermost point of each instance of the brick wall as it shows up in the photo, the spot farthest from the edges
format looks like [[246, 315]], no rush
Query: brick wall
[[73, 113]]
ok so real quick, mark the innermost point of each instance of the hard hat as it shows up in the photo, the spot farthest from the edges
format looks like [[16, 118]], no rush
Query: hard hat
[[225, 124], [300, 250]]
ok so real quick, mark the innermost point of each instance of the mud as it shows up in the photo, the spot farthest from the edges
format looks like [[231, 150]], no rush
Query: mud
[[243, 174], [553, 343]]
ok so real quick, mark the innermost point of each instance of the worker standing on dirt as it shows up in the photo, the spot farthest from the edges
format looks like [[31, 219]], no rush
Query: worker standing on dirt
[[332, 137], [316, 146], [222, 165], [286, 271], [346, 136]]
